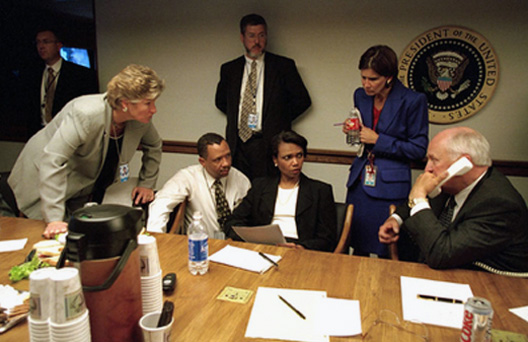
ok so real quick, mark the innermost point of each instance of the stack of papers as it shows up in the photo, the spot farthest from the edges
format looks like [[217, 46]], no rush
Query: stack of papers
[[272, 318], [244, 258]]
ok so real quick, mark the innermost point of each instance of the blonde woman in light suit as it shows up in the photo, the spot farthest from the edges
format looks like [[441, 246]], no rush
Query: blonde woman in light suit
[[87, 147]]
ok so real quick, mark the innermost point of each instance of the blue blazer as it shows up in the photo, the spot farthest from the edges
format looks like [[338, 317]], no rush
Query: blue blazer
[[403, 129]]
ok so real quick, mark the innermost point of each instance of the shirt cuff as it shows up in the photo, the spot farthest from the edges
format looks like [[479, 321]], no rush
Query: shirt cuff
[[419, 207]]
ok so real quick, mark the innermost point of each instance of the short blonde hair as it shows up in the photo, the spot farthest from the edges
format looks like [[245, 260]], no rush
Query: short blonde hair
[[134, 83]]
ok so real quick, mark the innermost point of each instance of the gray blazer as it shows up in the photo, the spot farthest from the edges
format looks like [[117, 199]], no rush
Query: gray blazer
[[63, 160]]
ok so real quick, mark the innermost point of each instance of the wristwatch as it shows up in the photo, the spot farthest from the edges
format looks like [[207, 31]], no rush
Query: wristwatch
[[414, 201]]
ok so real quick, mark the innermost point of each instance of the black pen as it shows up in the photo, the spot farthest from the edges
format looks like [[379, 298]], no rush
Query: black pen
[[267, 258], [440, 299], [292, 307]]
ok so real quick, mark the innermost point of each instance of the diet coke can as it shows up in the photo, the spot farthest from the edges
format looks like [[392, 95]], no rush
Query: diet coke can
[[476, 325]]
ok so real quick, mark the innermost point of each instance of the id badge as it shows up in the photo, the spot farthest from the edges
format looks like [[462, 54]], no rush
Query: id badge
[[124, 172], [252, 121], [370, 175]]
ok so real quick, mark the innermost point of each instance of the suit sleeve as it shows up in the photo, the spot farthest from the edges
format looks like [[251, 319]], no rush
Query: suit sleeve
[[482, 230], [325, 229], [73, 132], [414, 145], [243, 214], [221, 91], [150, 161], [298, 98]]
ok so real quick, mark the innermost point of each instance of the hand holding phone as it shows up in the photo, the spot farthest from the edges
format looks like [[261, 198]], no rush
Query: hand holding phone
[[458, 168]]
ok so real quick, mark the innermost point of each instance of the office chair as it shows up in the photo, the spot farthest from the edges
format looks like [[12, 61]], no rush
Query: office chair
[[177, 219], [344, 222]]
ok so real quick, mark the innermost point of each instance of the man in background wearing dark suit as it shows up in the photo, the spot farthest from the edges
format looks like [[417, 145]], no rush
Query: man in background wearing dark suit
[[49, 92], [261, 93], [479, 220]]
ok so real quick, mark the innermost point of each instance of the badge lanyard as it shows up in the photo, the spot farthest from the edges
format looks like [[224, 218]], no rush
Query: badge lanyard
[[253, 117], [124, 170]]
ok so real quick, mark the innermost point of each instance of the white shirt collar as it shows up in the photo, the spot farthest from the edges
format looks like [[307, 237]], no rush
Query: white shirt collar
[[462, 195], [56, 67], [210, 179]]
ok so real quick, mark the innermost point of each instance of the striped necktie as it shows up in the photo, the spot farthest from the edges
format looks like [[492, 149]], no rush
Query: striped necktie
[[222, 207], [248, 104], [446, 216]]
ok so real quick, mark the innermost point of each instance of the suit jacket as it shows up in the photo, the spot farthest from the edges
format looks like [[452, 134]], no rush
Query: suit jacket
[[63, 160], [285, 96], [74, 81], [315, 214], [403, 129], [491, 227]]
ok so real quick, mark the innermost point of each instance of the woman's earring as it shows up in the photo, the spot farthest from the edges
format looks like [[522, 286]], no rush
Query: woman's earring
[[275, 164], [125, 109]]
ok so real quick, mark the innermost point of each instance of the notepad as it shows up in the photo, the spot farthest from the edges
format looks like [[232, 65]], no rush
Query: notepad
[[243, 258]]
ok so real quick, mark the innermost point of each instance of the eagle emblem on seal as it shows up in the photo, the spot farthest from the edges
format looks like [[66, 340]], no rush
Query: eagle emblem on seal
[[446, 73]]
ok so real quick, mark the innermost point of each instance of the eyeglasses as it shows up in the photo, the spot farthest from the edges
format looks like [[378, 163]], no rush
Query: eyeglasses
[[388, 324]]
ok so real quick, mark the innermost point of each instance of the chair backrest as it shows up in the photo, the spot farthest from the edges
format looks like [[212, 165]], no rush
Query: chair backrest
[[344, 214], [393, 247], [177, 219], [7, 193]]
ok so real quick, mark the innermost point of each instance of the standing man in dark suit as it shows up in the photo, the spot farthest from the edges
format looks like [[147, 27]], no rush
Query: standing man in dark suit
[[479, 220], [49, 91], [261, 93]]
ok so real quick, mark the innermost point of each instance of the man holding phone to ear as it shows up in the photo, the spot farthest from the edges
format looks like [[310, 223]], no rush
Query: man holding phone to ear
[[479, 220]]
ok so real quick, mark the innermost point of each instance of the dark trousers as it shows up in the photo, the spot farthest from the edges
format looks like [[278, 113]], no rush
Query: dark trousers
[[253, 158]]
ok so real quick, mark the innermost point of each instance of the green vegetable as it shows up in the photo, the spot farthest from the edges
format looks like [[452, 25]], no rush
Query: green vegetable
[[23, 271]]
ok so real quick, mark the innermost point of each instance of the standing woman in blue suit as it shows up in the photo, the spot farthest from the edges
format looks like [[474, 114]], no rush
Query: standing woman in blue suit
[[395, 132]]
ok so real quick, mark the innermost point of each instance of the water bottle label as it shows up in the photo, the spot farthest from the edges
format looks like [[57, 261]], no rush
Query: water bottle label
[[198, 250], [352, 124]]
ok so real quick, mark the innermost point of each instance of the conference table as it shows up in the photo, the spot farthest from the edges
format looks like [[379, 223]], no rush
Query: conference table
[[200, 316]]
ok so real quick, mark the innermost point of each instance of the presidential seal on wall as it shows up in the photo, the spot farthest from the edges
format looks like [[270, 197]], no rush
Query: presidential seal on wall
[[455, 67]]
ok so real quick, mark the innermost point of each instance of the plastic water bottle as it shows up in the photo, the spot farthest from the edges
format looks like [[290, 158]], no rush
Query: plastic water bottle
[[198, 246], [353, 127]]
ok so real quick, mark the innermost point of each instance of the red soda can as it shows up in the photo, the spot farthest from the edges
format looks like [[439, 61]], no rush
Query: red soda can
[[476, 325]]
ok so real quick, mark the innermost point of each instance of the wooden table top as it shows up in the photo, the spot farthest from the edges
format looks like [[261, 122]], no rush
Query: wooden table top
[[199, 316]]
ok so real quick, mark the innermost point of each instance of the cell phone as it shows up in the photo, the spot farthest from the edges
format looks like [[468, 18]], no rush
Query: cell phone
[[169, 282], [458, 168]]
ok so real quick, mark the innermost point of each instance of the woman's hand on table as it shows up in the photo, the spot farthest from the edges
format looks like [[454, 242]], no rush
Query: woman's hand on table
[[54, 228]]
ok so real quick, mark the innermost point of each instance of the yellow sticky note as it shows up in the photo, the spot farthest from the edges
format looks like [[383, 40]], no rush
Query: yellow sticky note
[[232, 294]]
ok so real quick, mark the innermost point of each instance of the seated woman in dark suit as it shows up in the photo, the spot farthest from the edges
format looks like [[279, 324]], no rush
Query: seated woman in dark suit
[[303, 208]]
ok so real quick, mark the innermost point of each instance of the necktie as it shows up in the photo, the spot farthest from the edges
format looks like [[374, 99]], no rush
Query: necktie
[[222, 207], [447, 214], [50, 93], [248, 103]]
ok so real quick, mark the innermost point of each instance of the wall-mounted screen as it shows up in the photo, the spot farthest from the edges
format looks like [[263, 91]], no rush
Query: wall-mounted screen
[[76, 55]]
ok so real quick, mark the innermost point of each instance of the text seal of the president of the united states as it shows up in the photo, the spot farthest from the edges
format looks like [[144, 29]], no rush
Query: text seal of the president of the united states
[[455, 67]]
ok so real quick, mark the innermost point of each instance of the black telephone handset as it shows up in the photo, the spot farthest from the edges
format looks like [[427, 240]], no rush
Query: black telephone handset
[[458, 168]]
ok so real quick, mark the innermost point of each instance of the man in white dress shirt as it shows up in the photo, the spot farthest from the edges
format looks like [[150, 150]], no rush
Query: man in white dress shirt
[[196, 184]]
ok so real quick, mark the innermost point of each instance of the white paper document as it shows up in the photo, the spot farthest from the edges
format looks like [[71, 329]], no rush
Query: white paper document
[[435, 310], [521, 312], [339, 317], [269, 234], [12, 245], [272, 318], [244, 258]]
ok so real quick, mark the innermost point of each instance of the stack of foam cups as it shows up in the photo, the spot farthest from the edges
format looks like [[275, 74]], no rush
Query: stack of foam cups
[[69, 320], [151, 286], [40, 304]]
